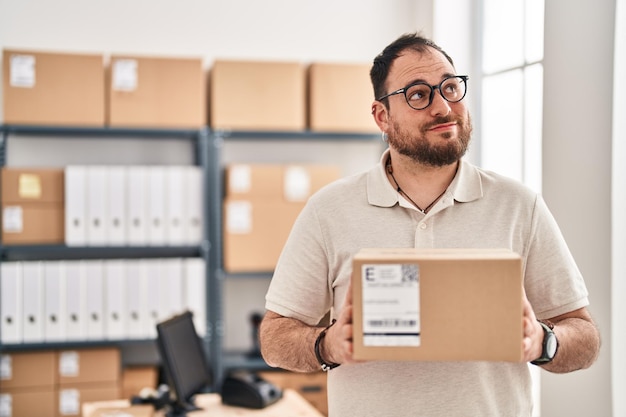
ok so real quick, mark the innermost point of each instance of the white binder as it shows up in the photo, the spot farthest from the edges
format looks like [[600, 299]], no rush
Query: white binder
[[54, 301], [175, 204], [156, 205], [115, 299], [137, 202], [75, 300], [171, 290], [136, 316], [116, 220], [94, 297], [32, 286], [194, 291], [96, 205], [75, 205], [194, 217], [11, 302], [153, 274]]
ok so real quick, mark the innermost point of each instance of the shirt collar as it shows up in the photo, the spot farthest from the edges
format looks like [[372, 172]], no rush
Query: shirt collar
[[466, 185]]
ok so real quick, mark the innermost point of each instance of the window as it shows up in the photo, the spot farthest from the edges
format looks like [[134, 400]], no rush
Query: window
[[512, 89]]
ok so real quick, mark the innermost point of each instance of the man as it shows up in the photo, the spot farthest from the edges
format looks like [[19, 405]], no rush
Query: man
[[423, 195]]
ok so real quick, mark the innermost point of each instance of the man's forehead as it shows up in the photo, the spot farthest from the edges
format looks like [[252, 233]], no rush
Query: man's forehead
[[412, 64]]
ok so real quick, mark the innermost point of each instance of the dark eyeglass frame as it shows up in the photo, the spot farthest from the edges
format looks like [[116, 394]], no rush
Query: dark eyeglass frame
[[404, 90]]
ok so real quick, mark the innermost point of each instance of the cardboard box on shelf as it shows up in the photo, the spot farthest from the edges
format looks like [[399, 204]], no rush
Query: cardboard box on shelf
[[437, 304], [255, 231], [95, 365], [28, 402], [291, 182], [136, 378], [52, 88], [32, 206], [156, 92], [36, 185], [340, 98], [72, 397], [257, 95], [28, 370], [262, 203]]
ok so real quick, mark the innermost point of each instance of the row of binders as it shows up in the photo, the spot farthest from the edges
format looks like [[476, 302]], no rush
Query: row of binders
[[113, 299], [133, 205]]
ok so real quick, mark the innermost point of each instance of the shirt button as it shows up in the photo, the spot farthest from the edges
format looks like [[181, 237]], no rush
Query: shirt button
[[422, 226]]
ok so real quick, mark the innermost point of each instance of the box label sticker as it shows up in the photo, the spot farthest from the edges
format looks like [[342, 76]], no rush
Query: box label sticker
[[69, 363], [6, 405], [12, 219], [125, 76], [69, 402], [29, 186], [240, 179], [6, 367], [239, 218], [391, 310], [297, 184], [22, 71]]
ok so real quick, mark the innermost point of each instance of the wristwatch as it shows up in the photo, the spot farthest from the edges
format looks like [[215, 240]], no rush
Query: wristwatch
[[550, 344]]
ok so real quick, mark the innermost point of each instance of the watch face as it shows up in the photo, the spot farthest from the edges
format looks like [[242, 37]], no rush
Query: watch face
[[551, 346]]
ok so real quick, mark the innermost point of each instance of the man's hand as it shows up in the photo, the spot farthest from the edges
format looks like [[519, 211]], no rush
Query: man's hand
[[338, 346]]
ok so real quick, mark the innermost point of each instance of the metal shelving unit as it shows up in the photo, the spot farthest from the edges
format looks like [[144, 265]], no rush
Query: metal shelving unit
[[207, 154]]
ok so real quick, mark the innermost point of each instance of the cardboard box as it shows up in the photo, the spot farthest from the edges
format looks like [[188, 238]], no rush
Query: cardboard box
[[40, 402], [36, 185], [261, 205], [256, 95], [437, 304], [255, 231], [32, 206], [293, 182], [312, 386], [28, 370], [50, 88], [72, 397], [136, 378], [106, 409], [156, 92], [340, 98], [98, 365]]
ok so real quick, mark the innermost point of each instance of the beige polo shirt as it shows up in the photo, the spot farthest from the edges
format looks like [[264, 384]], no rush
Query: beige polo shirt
[[480, 209]]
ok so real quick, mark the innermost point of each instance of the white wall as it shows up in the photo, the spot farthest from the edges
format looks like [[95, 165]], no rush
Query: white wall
[[577, 138]]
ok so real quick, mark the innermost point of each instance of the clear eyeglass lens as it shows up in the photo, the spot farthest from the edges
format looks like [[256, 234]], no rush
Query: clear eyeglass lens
[[453, 89], [418, 95]]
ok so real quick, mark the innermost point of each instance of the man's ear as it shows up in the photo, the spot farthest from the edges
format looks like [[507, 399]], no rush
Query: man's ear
[[380, 115]]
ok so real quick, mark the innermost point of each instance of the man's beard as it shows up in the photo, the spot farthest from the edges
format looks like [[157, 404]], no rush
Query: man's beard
[[418, 148]]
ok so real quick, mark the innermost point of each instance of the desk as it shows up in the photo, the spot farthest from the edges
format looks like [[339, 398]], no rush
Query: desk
[[291, 405]]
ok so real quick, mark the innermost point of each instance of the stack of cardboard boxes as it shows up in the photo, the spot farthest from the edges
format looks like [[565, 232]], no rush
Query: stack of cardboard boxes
[[57, 383], [261, 204], [32, 206]]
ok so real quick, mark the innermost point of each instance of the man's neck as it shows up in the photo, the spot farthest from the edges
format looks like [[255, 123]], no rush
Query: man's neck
[[421, 184]]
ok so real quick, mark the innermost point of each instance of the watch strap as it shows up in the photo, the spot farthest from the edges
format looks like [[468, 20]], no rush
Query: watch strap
[[548, 334]]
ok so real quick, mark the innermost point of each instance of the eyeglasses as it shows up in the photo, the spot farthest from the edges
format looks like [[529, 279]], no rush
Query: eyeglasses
[[420, 95]]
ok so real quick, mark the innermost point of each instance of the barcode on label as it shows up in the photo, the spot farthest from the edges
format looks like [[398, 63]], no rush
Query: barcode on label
[[392, 323]]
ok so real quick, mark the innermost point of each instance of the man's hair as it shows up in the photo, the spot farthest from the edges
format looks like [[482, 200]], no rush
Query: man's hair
[[382, 63]]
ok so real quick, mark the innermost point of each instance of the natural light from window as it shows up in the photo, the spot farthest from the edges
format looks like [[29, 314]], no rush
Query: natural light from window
[[512, 85]]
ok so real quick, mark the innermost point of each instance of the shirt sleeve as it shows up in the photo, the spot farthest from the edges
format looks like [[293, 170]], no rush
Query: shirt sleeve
[[553, 282]]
